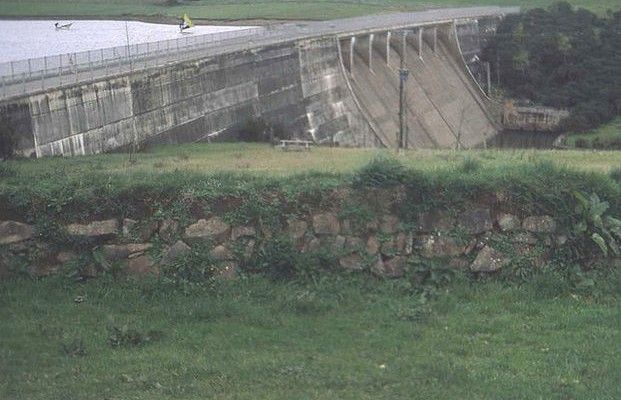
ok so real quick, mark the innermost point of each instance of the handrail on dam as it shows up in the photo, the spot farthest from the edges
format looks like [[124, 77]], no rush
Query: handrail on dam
[[36, 74], [18, 78]]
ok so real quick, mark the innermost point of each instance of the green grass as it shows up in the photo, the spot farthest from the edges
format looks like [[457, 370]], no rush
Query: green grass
[[265, 160], [244, 9], [339, 338], [610, 132]]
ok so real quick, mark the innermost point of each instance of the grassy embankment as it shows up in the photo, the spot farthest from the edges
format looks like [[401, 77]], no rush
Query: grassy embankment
[[335, 336], [226, 10], [606, 136]]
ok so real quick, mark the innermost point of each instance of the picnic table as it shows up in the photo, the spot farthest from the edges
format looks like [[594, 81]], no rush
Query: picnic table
[[295, 144]]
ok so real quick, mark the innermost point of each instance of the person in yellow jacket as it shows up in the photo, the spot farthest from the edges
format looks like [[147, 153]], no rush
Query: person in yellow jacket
[[186, 23]]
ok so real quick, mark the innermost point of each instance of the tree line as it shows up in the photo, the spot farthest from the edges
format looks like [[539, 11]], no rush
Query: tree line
[[561, 57]]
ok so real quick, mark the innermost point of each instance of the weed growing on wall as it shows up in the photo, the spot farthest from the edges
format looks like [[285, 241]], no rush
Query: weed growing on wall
[[197, 267]]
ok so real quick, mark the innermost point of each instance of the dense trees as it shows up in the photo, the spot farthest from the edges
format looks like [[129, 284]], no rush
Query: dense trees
[[561, 57]]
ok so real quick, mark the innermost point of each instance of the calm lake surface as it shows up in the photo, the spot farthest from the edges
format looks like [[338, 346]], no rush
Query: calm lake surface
[[23, 39]]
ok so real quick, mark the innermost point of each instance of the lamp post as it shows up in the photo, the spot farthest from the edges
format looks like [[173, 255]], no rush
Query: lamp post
[[403, 76]]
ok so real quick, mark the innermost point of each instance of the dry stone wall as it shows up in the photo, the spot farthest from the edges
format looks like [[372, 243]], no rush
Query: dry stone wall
[[478, 237]]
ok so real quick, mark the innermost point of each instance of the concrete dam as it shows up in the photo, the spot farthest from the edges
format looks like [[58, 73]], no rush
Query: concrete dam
[[334, 83]]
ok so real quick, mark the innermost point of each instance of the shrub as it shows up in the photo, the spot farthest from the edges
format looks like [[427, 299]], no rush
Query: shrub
[[615, 174], [593, 228], [381, 172], [197, 266], [278, 258]]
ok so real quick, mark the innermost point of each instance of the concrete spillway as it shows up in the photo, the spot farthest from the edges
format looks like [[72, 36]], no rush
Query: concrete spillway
[[311, 86], [444, 106]]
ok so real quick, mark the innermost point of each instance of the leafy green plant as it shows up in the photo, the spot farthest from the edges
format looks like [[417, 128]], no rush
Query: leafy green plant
[[593, 225], [195, 267], [277, 258], [615, 174], [381, 172], [428, 276]]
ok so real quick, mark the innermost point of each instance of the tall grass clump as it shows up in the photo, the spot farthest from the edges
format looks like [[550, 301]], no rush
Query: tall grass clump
[[381, 172]]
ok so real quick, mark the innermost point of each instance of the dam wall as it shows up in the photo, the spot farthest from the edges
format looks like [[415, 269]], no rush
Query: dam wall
[[297, 84], [335, 88]]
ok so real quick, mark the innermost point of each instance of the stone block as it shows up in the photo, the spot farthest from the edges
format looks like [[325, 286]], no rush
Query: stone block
[[142, 267], [221, 253], [476, 220], [431, 246], [488, 260], [352, 262], [176, 251], [114, 252], [13, 232], [435, 221], [215, 229], [372, 245], [388, 224], [326, 224], [243, 231], [338, 243], [107, 227], [297, 228], [508, 222], [539, 224]]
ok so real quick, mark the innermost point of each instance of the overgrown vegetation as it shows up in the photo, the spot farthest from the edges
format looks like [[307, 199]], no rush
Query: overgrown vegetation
[[292, 325], [561, 57]]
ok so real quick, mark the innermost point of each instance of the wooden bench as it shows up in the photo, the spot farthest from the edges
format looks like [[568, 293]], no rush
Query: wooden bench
[[295, 144]]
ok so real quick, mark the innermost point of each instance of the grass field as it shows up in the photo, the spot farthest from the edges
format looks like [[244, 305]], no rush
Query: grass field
[[352, 338], [226, 10], [263, 159]]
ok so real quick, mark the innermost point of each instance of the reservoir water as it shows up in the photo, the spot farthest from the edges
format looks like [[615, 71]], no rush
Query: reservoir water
[[24, 39]]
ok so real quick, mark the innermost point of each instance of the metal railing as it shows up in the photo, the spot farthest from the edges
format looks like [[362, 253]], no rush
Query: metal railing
[[38, 74]]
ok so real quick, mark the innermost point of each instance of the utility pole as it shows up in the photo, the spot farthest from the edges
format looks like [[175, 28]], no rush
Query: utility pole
[[403, 127]]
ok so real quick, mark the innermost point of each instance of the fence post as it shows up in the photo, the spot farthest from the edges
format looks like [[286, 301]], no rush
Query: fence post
[[75, 66], [3, 86], [44, 71], [29, 69], [90, 64], [105, 63], [24, 81], [12, 70], [60, 69]]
